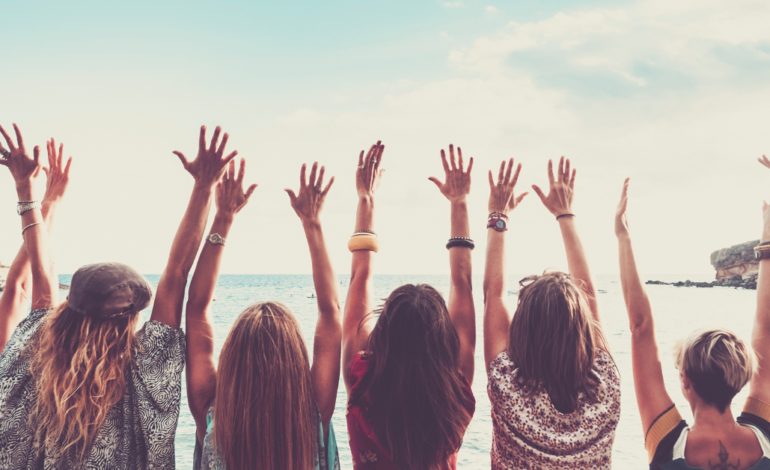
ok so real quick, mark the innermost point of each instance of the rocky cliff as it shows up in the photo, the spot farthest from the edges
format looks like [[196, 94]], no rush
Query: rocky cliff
[[736, 260]]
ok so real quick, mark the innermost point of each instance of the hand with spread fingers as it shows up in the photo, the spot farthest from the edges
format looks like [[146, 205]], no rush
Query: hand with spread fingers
[[310, 200], [369, 174], [58, 174], [501, 197], [23, 168], [621, 222], [209, 165], [559, 199], [458, 181], [230, 196]]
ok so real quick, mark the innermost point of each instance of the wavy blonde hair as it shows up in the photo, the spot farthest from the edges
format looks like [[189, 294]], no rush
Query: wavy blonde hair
[[80, 367]]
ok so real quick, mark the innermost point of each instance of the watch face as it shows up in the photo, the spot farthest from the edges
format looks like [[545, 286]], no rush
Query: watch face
[[500, 223]]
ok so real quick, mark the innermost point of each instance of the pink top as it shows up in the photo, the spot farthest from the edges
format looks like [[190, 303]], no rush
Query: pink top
[[366, 450]]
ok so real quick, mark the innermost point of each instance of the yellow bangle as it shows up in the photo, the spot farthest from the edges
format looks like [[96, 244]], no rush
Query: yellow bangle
[[363, 243]]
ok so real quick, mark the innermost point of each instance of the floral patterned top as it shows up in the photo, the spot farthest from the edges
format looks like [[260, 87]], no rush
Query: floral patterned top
[[367, 452], [138, 432], [530, 433]]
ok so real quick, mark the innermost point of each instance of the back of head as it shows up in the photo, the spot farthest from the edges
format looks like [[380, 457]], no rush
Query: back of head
[[265, 414], [416, 396], [552, 340], [717, 363], [80, 364]]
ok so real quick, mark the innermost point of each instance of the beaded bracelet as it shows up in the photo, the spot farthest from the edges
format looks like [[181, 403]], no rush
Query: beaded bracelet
[[463, 242], [497, 215]]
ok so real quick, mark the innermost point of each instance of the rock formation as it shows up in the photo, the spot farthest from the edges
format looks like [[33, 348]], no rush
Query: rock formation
[[736, 266], [736, 260]]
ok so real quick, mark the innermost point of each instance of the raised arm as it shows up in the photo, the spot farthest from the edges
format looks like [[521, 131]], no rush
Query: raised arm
[[327, 344], [497, 317], [559, 203], [358, 321], [16, 294], [760, 335], [25, 172], [651, 395], [461, 309], [201, 371], [207, 169]]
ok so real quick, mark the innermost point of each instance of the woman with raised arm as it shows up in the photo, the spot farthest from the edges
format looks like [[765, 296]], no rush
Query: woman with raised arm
[[273, 408], [714, 365], [554, 388], [82, 388], [15, 298], [408, 371]]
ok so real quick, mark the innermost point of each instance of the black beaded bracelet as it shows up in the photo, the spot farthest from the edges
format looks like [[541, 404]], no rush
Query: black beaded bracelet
[[463, 242], [564, 215]]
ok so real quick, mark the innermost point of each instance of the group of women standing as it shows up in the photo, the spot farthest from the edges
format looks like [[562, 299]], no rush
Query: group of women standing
[[82, 385]]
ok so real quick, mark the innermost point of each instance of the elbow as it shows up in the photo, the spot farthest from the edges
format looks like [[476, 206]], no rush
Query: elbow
[[462, 281], [640, 326]]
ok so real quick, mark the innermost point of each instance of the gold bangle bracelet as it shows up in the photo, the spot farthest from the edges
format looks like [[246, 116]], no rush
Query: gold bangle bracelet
[[364, 243]]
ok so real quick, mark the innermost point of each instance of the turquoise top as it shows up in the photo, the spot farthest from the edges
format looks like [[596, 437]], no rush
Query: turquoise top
[[206, 458]]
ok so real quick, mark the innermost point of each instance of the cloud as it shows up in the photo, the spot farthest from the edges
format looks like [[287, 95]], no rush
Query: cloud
[[445, 35], [455, 4], [491, 9], [650, 47], [304, 117]]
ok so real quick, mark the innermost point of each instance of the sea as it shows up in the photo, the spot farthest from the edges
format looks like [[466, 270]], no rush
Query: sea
[[677, 311]]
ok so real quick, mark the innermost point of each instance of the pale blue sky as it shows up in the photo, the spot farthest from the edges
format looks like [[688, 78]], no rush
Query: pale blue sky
[[673, 94]]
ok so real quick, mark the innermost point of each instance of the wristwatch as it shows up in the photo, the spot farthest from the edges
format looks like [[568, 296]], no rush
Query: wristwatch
[[24, 206], [216, 239], [498, 224], [761, 254]]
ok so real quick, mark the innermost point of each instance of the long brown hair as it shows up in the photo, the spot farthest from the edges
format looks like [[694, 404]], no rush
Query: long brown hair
[[552, 340], [265, 414], [80, 365], [415, 396]]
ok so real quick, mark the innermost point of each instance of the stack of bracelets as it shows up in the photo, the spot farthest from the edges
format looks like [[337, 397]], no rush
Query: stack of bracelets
[[364, 240], [762, 251], [498, 221]]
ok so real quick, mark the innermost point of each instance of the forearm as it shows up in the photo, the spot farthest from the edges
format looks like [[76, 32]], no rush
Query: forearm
[[577, 262], [324, 279], [204, 279], [637, 302], [494, 267], [460, 257], [190, 233], [20, 274], [36, 243], [360, 299]]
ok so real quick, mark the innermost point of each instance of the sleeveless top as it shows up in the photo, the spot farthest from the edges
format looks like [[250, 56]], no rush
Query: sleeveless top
[[206, 457], [529, 432], [667, 437], [138, 432], [368, 454]]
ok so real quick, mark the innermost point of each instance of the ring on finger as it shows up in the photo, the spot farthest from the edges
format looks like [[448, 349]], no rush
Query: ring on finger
[[5, 154], [361, 166], [318, 189]]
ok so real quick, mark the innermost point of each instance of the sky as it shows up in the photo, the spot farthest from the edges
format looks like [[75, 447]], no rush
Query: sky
[[673, 95]]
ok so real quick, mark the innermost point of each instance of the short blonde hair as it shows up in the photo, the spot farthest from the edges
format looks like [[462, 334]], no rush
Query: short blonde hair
[[717, 363]]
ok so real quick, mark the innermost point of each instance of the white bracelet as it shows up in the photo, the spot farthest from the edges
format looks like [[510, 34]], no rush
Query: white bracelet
[[28, 226]]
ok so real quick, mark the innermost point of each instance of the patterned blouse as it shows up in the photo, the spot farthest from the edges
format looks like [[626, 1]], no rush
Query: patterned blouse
[[530, 433], [139, 430]]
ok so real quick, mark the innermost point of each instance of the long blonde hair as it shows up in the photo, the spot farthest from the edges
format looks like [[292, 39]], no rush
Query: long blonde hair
[[265, 414], [80, 366], [552, 340]]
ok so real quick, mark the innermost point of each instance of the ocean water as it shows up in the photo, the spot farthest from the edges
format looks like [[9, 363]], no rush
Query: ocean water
[[677, 310]]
